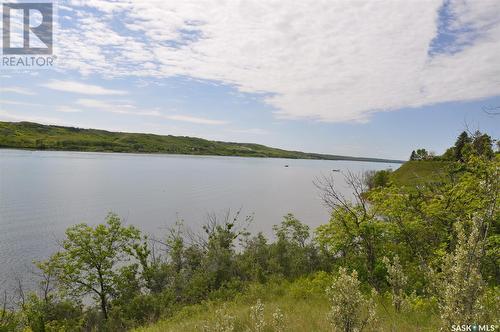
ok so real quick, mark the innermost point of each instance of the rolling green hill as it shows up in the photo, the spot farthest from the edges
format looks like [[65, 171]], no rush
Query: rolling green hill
[[27, 135], [418, 172]]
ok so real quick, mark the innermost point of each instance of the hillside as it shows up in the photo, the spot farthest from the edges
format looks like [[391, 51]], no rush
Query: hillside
[[27, 135], [304, 307], [418, 172]]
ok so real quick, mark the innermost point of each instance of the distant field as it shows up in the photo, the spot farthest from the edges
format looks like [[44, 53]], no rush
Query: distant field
[[27, 135], [414, 172]]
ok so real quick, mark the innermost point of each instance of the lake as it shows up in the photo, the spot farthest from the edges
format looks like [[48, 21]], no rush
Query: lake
[[44, 192]]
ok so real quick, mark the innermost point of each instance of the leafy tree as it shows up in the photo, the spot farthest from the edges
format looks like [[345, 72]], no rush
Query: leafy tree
[[482, 144], [160, 272], [420, 220], [376, 179], [422, 154], [219, 261], [449, 155], [9, 319], [89, 261], [292, 230], [43, 315], [354, 233], [43, 309], [413, 155], [412, 233], [254, 262], [292, 252], [462, 141]]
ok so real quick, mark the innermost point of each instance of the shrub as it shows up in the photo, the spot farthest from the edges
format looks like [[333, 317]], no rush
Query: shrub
[[223, 322], [350, 310], [397, 280], [278, 320], [460, 285]]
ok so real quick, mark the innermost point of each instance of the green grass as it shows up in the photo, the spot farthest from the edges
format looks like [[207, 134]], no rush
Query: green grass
[[27, 135], [303, 311], [416, 172]]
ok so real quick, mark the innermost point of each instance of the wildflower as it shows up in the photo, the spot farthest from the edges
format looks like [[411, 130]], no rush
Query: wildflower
[[278, 320], [223, 322], [257, 316]]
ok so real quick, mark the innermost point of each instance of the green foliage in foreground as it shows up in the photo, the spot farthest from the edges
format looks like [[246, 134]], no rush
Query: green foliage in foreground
[[27, 135], [303, 306]]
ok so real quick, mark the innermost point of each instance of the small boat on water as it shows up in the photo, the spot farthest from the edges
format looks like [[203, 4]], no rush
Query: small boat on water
[[286, 165], [335, 170]]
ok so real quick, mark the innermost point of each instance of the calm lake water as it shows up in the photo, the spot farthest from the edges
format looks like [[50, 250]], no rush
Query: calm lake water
[[42, 193]]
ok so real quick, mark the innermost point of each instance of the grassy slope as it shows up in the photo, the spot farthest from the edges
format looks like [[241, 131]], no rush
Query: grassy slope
[[26, 135], [303, 311], [415, 172]]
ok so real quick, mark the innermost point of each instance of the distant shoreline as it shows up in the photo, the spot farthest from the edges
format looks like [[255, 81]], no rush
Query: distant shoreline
[[375, 160], [37, 137]]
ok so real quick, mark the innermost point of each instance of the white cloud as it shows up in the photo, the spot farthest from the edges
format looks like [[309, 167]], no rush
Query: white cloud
[[18, 90], [67, 109], [251, 131], [326, 60], [194, 119], [80, 88], [17, 103], [126, 108], [110, 106]]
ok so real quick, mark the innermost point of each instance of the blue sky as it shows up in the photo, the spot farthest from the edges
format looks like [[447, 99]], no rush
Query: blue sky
[[332, 77]]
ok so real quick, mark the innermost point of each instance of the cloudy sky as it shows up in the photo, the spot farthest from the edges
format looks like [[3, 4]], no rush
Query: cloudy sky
[[364, 78]]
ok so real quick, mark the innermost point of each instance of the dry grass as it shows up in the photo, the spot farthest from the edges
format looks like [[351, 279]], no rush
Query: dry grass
[[302, 313]]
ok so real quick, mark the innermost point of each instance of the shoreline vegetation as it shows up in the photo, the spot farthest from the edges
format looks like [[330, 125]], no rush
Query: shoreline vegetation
[[416, 249], [34, 136]]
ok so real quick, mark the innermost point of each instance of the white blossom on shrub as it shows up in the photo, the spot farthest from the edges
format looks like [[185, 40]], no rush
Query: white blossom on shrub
[[460, 285], [350, 311], [223, 322], [257, 316], [397, 280], [278, 320]]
